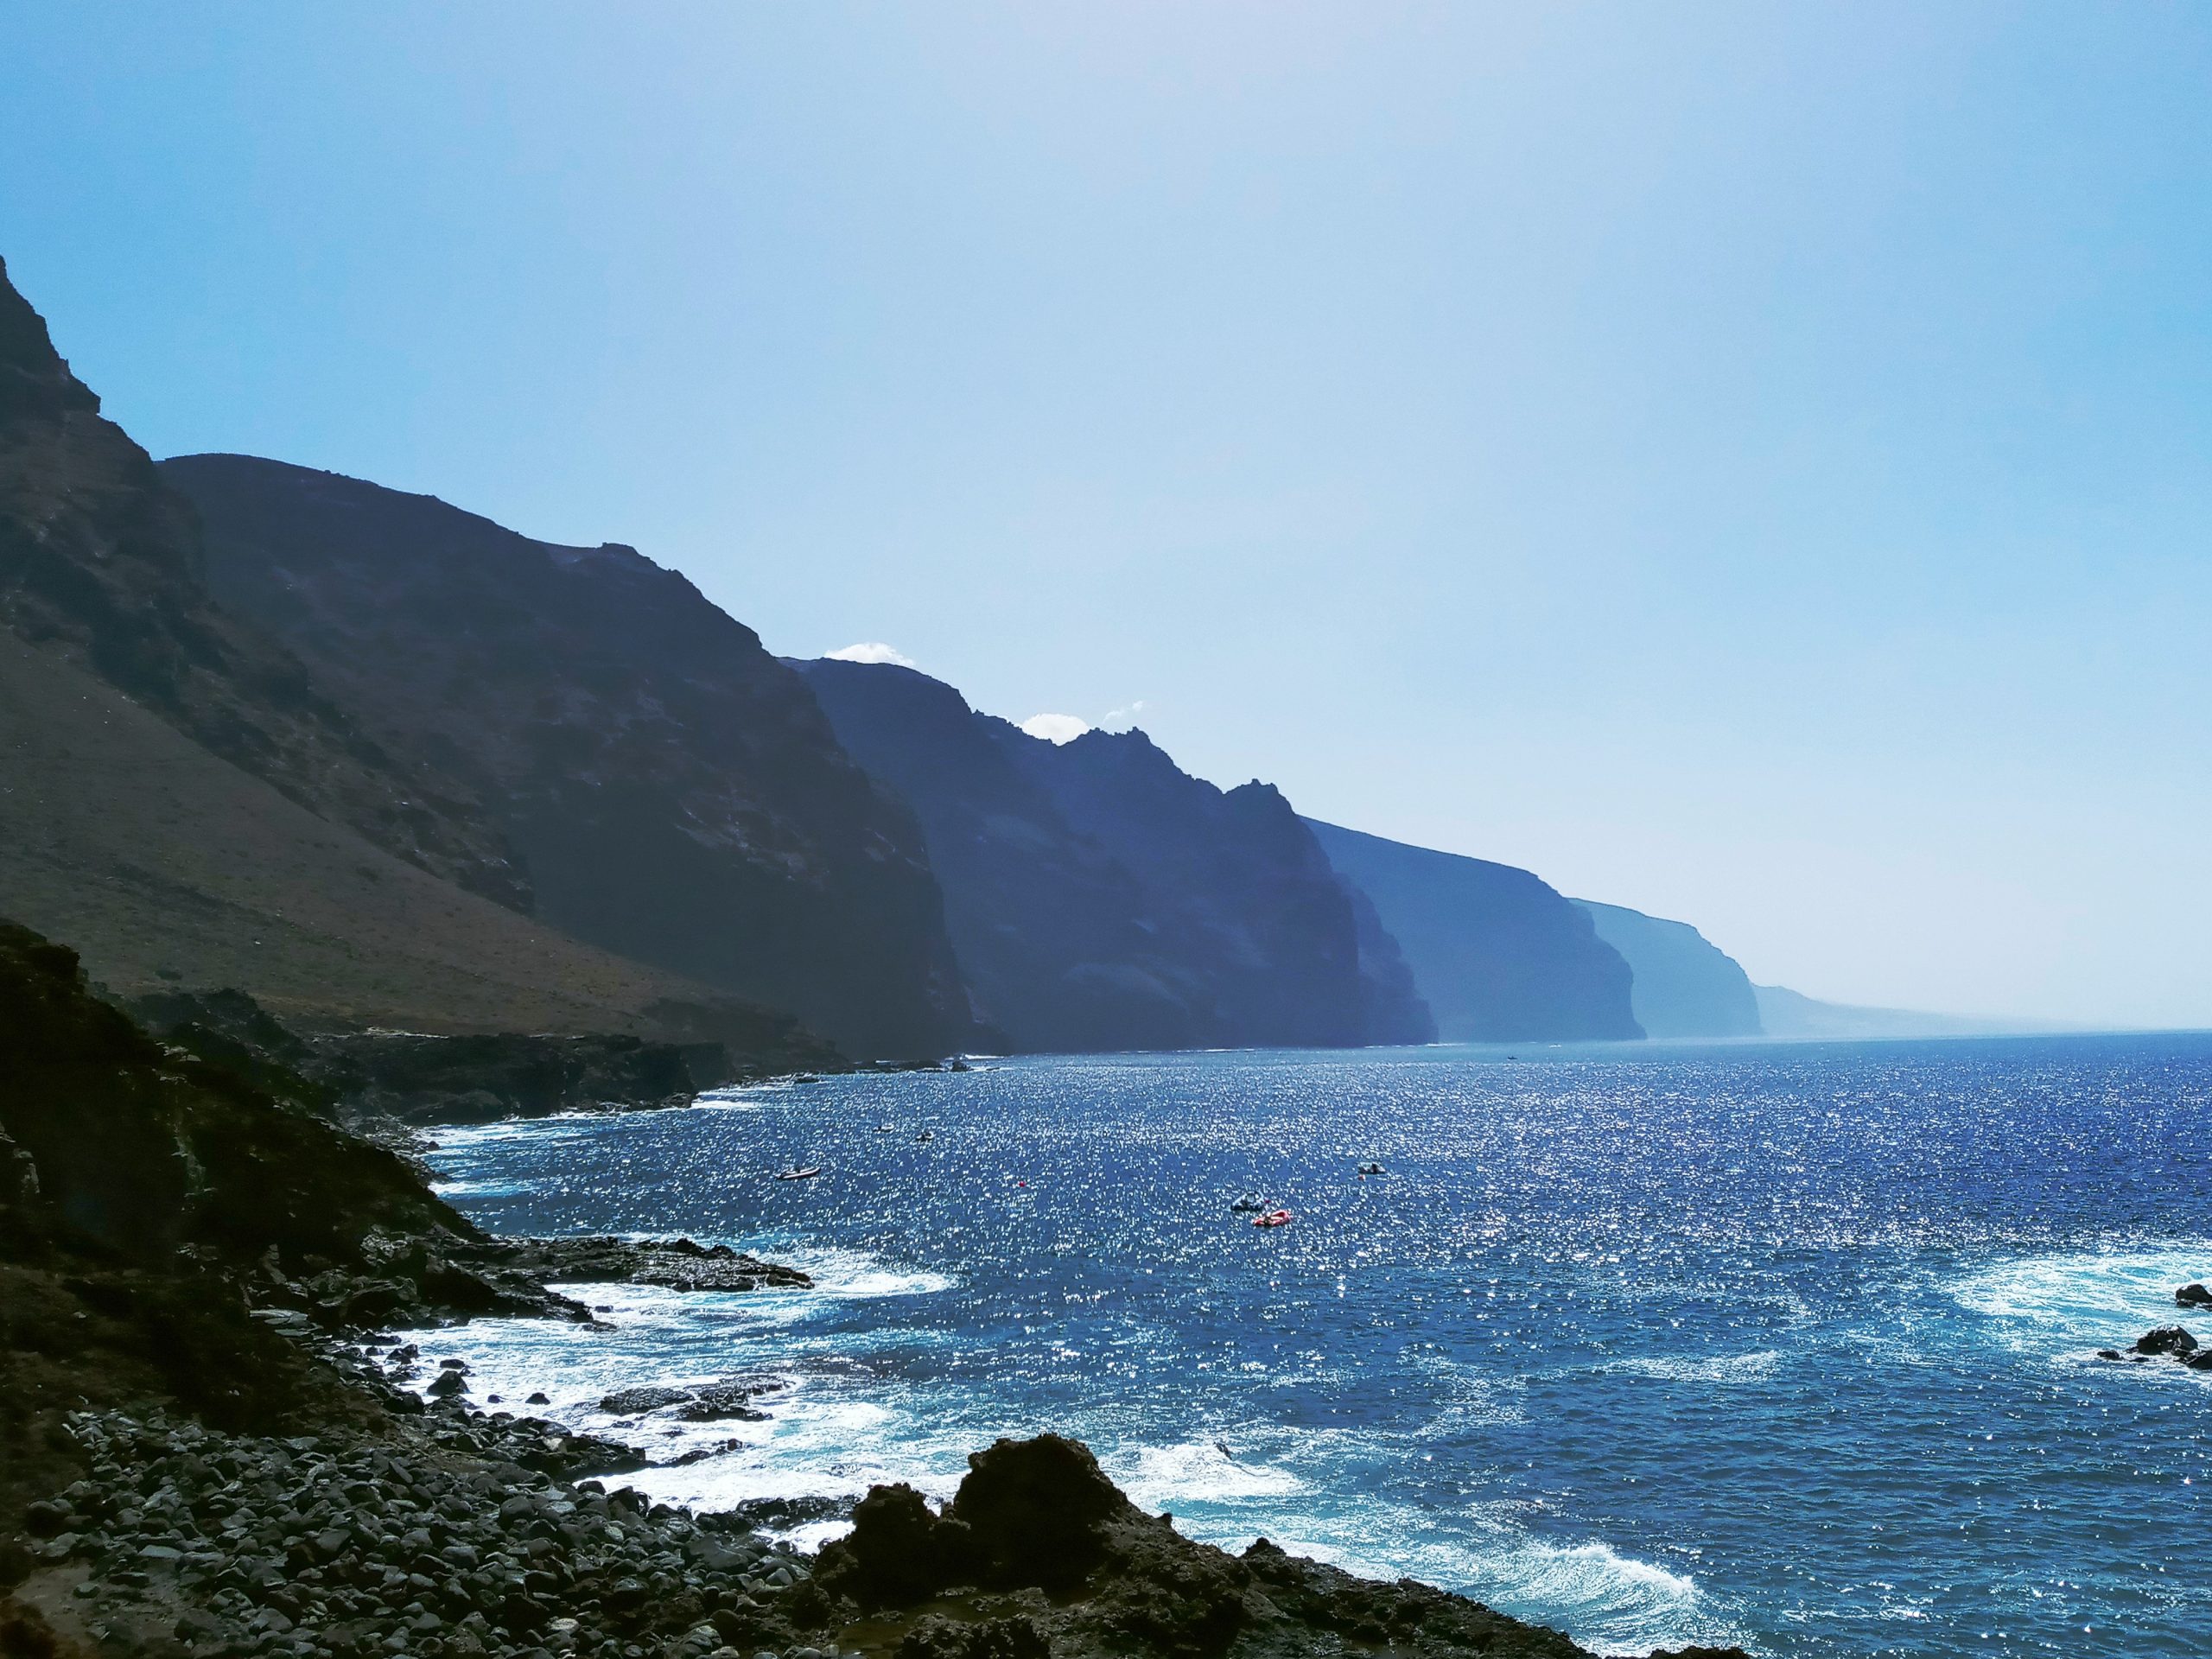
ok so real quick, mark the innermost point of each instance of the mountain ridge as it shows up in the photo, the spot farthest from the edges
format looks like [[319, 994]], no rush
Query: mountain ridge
[[674, 791], [1101, 898]]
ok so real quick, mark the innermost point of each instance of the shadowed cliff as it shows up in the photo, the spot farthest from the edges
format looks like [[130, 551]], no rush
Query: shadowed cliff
[[1684, 985], [102, 566], [674, 791], [1500, 955], [1100, 898]]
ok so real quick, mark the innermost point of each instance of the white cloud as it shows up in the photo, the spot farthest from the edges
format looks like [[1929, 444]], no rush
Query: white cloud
[[872, 650], [1055, 728], [1122, 716]]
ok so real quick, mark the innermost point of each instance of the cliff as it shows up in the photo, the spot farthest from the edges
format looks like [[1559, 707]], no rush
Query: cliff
[[102, 566], [1100, 898], [1787, 1013], [673, 790], [1684, 985], [1500, 955]]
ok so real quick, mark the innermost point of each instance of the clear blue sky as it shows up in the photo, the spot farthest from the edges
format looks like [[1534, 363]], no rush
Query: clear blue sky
[[1748, 461]]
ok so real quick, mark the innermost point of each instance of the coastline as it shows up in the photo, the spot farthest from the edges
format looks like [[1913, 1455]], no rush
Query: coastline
[[392, 1516]]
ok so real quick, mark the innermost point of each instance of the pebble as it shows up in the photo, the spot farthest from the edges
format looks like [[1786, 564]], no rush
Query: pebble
[[436, 1542]]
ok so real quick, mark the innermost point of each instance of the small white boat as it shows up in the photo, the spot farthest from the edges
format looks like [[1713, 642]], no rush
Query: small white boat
[[806, 1174]]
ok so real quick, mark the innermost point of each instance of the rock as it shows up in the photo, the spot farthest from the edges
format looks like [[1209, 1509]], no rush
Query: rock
[[1035, 1508], [996, 1638], [629, 1402], [2193, 1295], [2200, 1360], [2167, 1339], [445, 1384]]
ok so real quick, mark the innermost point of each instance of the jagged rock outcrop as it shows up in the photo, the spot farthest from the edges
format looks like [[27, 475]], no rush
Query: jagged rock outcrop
[[102, 566], [1099, 897], [1039, 1553], [1499, 954], [1684, 985], [673, 790], [138, 1151]]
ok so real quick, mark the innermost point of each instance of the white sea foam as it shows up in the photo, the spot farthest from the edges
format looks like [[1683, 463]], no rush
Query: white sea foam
[[2082, 1299], [1196, 1471], [1611, 1602]]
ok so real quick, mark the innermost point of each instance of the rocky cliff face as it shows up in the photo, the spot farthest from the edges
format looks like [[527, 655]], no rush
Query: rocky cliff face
[[1500, 955], [673, 791], [102, 565], [1100, 898], [1684, 985]]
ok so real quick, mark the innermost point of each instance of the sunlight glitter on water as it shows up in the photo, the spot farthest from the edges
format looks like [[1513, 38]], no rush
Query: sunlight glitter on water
[[1785, 1346]]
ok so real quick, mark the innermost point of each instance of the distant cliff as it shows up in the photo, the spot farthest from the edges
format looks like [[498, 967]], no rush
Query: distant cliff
[[1788, 1013], [1685, 986], [1100, 898], [1499, 956], [673, 790]]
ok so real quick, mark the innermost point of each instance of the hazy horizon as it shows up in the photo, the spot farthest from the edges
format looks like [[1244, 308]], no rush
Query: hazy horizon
[[1744, 465]]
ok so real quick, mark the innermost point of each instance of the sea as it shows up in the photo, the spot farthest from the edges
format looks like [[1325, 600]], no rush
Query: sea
[[1793, 1345]]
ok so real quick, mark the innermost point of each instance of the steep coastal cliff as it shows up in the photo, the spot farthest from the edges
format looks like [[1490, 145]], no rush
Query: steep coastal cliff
[[1100, 898], [1684, 985], [102, 567], [674, 792], [1500, 955]]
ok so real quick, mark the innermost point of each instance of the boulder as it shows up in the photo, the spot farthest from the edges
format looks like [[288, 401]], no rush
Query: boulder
[[2193, 1295], [2167, 1339]]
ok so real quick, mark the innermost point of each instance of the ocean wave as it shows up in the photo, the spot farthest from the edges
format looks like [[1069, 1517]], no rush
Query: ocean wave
[[1195, 1471], [1605, 1600], [2080, 1299], [857, 1276]]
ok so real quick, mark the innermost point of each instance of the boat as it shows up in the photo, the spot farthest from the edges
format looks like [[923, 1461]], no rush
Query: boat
[[1249, 1201], [805, 1174], [1272, 1218], [1371, 1169], [926, 1135]]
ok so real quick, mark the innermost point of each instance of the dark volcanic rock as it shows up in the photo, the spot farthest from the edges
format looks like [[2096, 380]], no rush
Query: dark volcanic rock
[[140, 1150], [1039, 1553], [1101, 899], [2193, 1295], [1500, 955], [673, 790], [2167, 1339]]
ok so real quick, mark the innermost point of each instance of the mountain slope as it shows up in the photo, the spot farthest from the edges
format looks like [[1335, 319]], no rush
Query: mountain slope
[[167, 868], [1500, 955], [1684, 985], [102, 563], [1100, 899], [674, 791]]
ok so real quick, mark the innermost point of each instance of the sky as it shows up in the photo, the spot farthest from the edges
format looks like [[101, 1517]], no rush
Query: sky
[[1746, 462]]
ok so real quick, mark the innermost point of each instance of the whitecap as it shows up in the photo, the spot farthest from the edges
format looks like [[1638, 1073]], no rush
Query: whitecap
[[1195, 1471], [2080, 1300]]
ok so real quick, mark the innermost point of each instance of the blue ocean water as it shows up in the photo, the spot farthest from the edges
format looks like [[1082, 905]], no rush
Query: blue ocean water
[[1791, 1345]]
